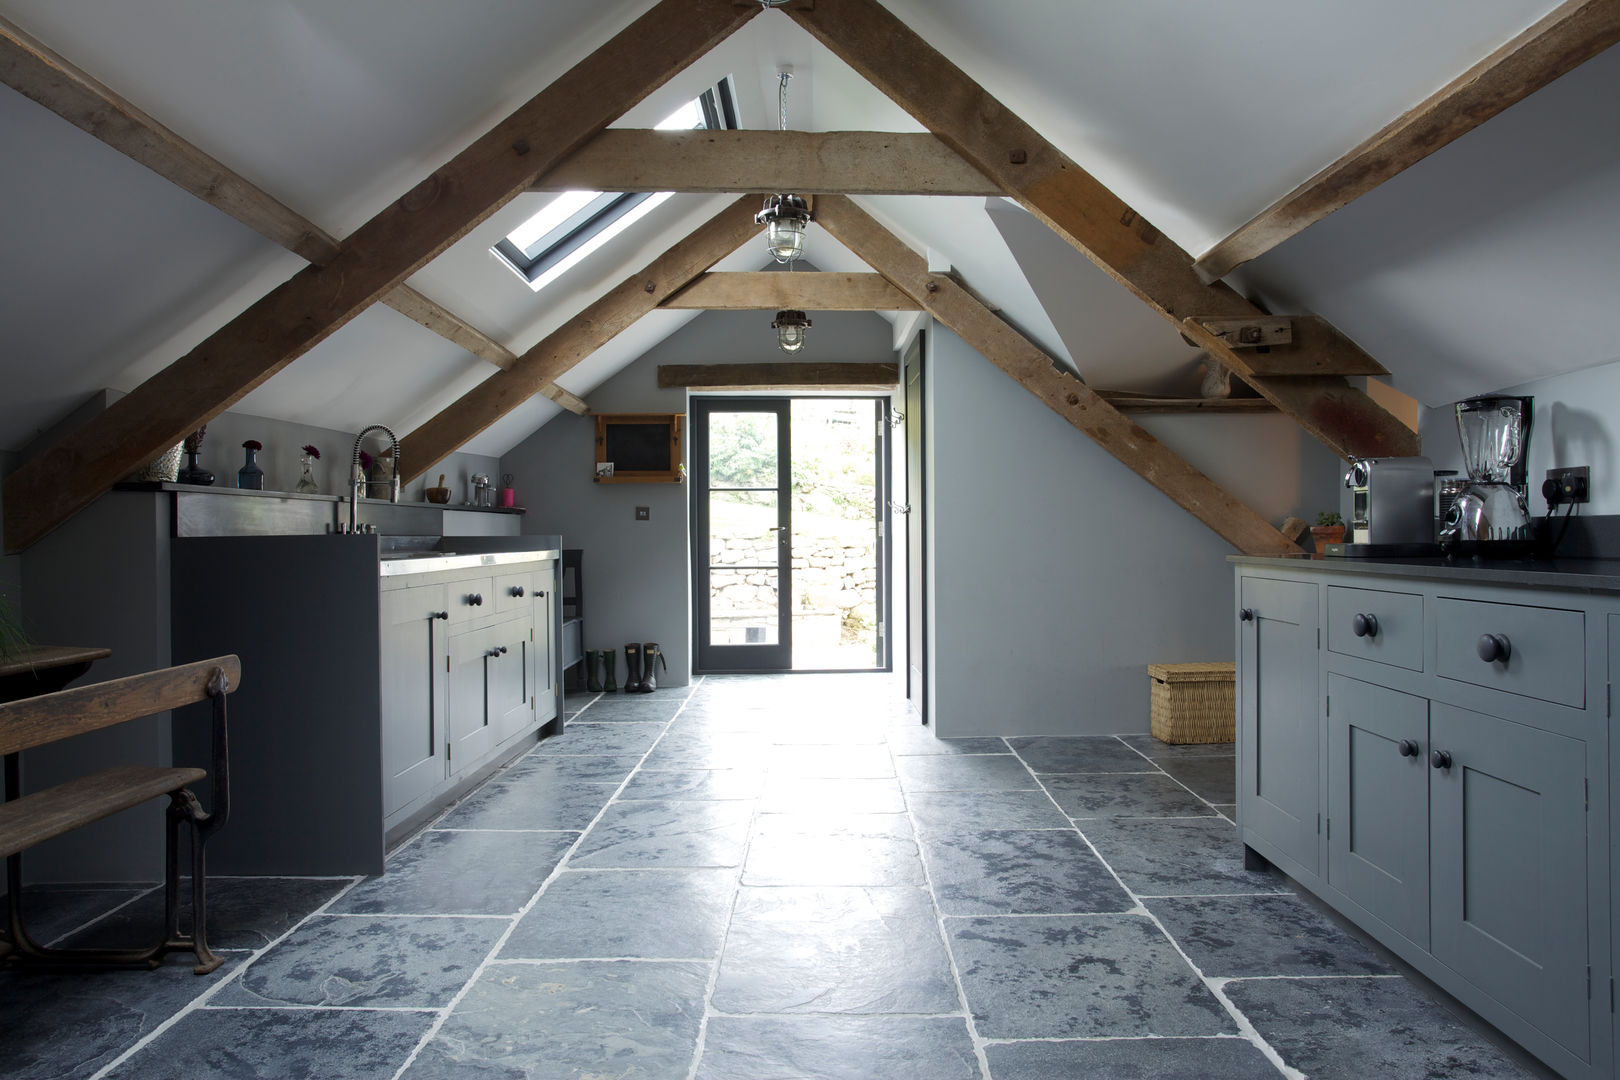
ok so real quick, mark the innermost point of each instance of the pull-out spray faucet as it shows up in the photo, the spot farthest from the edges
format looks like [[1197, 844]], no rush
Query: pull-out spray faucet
[[357, 478]]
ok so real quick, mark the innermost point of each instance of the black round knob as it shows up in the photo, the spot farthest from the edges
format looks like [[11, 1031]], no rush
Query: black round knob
[[517, 590], [1409, 748], [1440, 759], [439, 615], [1247, 614], [475, 599], [501, 649], [1365, 625], [1494, 647]]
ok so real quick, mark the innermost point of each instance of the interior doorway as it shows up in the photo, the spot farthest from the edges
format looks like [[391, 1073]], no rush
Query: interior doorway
[[790, 552]]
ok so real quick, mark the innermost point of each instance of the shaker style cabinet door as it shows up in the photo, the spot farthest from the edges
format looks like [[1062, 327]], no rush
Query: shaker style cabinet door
[[1279, 716], [414, 692], [1507, 809], [1378, 802]]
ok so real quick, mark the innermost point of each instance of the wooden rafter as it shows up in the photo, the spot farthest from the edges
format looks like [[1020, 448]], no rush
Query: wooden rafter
[[946, 300], [772, 291], [580, 336], [1566, 37], [808, 375], [839, 162], [35, 71], [1083, 211], [317, 301]]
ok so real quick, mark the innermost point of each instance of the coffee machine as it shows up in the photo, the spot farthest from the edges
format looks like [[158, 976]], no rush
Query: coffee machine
[[1491, 508], [1392, 506]]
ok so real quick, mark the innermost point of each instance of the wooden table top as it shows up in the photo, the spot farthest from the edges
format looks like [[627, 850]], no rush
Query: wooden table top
[[46, 657]]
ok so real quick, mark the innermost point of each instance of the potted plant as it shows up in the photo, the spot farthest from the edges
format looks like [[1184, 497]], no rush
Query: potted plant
[[1329, 529]]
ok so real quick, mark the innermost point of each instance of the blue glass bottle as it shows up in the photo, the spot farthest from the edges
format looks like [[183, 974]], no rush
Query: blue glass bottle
[[250, 477]]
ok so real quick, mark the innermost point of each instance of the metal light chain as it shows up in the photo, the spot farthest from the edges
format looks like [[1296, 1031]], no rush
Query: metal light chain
[[781, 98]]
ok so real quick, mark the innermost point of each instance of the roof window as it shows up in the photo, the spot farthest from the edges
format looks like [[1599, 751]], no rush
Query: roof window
[[576, 223]]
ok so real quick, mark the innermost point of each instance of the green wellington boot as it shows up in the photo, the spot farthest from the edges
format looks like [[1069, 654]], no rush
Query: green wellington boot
[[593, 671], [632, 660], [649, 653], [610, 679]]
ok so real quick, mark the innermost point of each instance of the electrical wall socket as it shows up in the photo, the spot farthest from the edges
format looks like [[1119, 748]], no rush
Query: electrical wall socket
[[643, 513], [1572, 485]]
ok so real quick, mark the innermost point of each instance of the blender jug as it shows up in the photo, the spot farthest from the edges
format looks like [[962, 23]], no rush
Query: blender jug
[[1495, 432]]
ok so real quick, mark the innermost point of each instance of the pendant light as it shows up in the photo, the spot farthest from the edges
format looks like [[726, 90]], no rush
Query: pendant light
[[784, 216], [790, 326]]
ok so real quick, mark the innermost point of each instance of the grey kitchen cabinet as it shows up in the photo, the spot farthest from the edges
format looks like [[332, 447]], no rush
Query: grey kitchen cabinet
[[415, 692], [1278, 705], [1378, 802], [1465, 778]]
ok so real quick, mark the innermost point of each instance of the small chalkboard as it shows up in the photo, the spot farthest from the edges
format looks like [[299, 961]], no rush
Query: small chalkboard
[[638, 448]]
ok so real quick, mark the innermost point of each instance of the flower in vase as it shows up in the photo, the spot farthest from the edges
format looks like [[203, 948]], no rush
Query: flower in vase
[[253, 444], [365, 463], [311, 451]]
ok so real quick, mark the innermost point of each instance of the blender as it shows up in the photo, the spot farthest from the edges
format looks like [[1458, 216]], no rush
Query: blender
[[1491, 507]]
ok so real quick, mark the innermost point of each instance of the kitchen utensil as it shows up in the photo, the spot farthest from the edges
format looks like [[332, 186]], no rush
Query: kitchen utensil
[[440, 494]]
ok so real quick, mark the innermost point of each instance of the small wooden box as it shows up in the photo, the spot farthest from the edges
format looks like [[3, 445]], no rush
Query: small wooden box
[[1193, 703]]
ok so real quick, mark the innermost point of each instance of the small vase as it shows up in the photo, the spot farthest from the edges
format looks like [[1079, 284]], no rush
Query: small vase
[[306, 482], [194, 473], [250, 477]]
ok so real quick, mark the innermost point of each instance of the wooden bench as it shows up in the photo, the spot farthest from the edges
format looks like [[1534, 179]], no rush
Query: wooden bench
[[26, 820]]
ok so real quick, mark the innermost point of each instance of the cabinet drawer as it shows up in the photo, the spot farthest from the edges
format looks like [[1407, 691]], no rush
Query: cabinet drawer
[[1546, 648], [1391, 625], [471, 598], [516, 592]]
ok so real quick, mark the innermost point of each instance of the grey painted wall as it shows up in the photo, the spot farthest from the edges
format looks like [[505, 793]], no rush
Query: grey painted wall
[[10, 565], [1575, 424], [637, 574], [1058, 574]]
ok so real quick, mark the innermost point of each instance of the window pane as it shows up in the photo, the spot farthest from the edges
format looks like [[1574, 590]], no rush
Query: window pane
[[742, 450], [742, 607], [740, 528]]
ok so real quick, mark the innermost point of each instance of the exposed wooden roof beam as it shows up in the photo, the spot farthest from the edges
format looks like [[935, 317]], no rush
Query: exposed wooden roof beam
[[774, 290], [35, 71], [809, 375], [1565, 38], [841, 162], [317, 301], [946, 300], [1080, 209], [579, 337]]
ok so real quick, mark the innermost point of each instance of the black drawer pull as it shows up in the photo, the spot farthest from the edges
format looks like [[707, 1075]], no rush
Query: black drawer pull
[[1365, 625], [517, 590], [1440, 759], [475, 599], [439, 615], [1494, 647], [1247, 614], [1409, 748]]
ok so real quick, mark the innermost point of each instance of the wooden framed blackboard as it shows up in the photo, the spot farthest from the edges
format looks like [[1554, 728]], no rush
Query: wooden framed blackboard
[[639, 448]]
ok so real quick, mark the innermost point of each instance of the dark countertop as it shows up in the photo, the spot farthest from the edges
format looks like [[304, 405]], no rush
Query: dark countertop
[[1591, 575]]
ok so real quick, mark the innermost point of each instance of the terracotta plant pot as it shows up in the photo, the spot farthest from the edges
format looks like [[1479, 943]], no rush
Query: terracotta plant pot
[[1325, 535]]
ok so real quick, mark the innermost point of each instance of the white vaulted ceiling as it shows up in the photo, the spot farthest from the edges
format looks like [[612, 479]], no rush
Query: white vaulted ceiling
[[1198, 115]]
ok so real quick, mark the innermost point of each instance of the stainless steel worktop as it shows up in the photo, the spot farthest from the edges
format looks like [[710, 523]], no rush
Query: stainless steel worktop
[[431, 562]]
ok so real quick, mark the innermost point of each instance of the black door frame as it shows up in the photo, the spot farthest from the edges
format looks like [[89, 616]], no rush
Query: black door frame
[[722, 660]]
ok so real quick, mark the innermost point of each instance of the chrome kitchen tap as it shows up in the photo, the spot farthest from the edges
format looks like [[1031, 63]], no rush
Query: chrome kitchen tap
[[357, 478]]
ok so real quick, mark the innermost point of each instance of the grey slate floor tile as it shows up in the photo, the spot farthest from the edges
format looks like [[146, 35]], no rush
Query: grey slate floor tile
[[638, 1021], [832, 849], [1078, 977], [794, 950], [627, 914], [278, 1044], [807, 794], [1210, 778], [1131, 1059], [1348, 1029], [243, 913], [666, 833], [946, 812], [1178, 856], [588, 734], [964, 772], [701, 784], [1020, 873], [1083, 754], [1105, 795], [460, 873], [530, 802], [551, 769], [1236, 936], [838, 1048]]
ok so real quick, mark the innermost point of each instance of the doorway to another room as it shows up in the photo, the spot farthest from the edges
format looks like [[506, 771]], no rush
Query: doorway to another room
[[791, 560]]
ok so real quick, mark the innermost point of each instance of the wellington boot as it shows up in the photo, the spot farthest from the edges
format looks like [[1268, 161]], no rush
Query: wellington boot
[[593, 671], [632, 661], [649, 653], [610, 671]]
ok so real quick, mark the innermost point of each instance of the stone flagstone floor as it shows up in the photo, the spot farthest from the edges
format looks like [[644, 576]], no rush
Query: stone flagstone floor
[[765, 878]]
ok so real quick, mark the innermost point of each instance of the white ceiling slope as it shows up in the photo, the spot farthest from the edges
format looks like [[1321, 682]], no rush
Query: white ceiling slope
[[1198, 115]]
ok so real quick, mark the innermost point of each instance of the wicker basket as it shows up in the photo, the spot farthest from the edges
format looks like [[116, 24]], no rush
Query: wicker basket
[[1193, 703]]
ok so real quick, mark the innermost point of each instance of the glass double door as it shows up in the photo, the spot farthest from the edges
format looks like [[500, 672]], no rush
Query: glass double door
[[788, 548]]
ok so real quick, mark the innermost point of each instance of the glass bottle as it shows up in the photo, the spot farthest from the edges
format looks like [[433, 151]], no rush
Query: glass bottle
[[306, 482], [250, 477]]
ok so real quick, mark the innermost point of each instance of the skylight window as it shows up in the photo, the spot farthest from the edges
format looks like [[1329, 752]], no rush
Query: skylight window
[[576, 223]]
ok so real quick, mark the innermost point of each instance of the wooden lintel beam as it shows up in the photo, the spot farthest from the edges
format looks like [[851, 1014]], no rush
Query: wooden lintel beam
[[946, 300], [1079, 208], [1262, 330], [774, 290], [32, 69], [572, 402], [723, 162], [579, 337], [811, 375], [1566, 37], [1316, 349], [296, 316]]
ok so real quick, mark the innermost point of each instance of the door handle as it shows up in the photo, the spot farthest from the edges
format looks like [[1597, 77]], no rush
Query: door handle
[[899, 508]]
